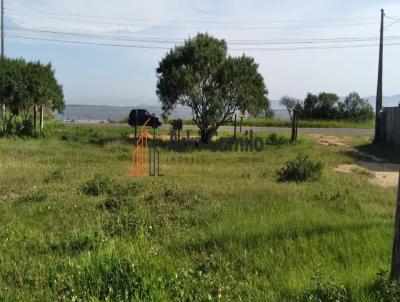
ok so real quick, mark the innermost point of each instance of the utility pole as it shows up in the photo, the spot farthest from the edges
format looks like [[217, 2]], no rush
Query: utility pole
[[395, 268], [378, 107], [2, 29], [3, 107]]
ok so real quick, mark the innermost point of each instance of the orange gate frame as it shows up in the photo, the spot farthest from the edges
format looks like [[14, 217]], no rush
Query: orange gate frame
[[140, 154]]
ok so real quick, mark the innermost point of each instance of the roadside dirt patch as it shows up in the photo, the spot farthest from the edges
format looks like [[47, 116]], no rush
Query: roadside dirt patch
[[328, 140], [381, 174]]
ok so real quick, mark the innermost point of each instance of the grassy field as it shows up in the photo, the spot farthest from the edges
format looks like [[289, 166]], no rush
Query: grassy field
[[252, 122], [216, 226]]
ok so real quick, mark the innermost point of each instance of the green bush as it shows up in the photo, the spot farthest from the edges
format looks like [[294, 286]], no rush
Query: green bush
[[99, 185], [301, 169], [275, 139], [115, 202], [385, 290], [119, 196], [325, 290], [37, 195]]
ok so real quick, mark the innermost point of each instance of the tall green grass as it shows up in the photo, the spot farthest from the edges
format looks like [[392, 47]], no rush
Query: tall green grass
[[217, 226]]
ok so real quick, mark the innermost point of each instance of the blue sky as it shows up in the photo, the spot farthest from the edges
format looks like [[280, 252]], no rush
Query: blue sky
[[126, 76]]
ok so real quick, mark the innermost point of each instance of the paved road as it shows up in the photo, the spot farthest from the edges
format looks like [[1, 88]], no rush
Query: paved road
[[322, 131]]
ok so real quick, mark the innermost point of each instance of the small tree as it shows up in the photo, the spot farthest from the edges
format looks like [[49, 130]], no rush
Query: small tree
[[357, 108], [293, 107], [309, 106], [202, 76], [289, 104], [327, 106]]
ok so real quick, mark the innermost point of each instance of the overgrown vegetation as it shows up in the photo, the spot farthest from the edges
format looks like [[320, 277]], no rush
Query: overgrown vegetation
[[385, 290], [36, 195], [275, 139], [218, 226], [325, 290], [302, 168], [328, 106]]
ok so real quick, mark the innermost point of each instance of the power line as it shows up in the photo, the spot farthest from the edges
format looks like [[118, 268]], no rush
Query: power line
[[393, 23], [85, 43], [167, 48], [176, 41], [391, 17], [194, 28], [194, 21]]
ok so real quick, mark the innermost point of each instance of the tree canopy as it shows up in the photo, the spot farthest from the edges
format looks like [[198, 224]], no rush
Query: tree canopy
[[329, 106], [201, 75], [25, 85]]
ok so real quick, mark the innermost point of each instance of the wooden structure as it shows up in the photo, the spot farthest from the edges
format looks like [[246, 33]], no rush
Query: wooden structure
[[390, 125]]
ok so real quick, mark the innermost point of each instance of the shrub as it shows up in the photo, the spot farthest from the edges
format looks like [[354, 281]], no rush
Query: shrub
[[118, 196], [37, 195], [301, 169], [325, 290], [275, 139], [116, 201], [385, 290], [100, 184]]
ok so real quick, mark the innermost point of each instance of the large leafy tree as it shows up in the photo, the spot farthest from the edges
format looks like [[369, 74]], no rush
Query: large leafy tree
[[201, 75], [25, 85]]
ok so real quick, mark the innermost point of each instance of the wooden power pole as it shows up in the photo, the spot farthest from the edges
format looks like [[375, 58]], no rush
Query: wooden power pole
[[395, 269], [378, 107], [3, 107], [2, 29]]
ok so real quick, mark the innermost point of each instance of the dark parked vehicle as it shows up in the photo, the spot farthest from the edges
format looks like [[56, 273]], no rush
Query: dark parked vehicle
[[138, 117]]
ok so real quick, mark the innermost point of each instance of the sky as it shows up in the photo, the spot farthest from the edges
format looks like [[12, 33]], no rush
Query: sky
[[125, 76]]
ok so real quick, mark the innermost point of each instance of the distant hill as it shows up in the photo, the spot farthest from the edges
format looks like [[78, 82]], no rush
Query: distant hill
[[115, 113], [388, 101]]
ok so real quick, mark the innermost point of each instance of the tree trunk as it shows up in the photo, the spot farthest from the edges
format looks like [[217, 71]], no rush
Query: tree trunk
[[395, 270], [34, 116], [4, 117], [206, 135], [41, 117], [294, 122]]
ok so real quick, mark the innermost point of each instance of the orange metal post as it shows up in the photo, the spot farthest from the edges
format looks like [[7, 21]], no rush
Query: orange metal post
[[139, 154]]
